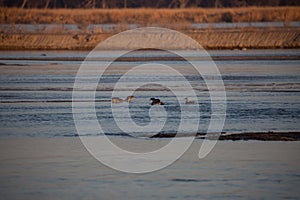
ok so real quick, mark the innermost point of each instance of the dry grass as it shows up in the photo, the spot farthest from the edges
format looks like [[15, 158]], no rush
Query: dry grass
[[209, 39], [249, 37], [147, 17]]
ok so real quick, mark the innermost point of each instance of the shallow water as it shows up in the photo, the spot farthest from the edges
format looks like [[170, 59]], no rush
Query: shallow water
[[36, 93], [60, 168]]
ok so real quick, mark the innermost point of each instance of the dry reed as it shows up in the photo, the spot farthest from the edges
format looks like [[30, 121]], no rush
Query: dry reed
[[147, 17]]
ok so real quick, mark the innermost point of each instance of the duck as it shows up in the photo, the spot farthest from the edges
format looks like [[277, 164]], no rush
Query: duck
[[116, 100], [129, 99], [187, 101], [119, 100], [156, 101]]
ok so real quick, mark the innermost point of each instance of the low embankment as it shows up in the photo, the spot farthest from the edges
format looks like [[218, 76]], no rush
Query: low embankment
[[210, 39]]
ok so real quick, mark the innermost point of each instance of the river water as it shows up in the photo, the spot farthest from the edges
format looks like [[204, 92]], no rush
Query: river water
[[42, 159], [36, 93]]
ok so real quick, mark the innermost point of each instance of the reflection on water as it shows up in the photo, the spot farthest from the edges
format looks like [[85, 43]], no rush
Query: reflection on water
[[36, 94]]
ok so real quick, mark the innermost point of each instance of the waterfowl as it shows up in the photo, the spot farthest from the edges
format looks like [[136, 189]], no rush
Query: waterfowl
[[187, 101], [129, 99], [116, 100], [119, 100], [156, 101]]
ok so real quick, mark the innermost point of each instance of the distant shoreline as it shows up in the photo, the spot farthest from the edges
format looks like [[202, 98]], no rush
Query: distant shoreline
[[211, 39], [60, 38]]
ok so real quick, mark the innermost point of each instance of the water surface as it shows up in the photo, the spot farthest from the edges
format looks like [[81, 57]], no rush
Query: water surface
[[41, 159], [36, 93]]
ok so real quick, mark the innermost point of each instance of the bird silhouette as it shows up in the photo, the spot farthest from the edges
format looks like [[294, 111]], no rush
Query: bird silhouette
[[156, 101]]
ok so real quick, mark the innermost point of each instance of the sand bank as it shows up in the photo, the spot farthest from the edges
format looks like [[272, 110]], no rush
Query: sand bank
[[252, 38]]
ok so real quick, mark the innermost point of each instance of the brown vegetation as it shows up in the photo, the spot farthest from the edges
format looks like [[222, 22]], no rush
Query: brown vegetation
[[144, 3], [179, 19], [144, 16], [209, 39]]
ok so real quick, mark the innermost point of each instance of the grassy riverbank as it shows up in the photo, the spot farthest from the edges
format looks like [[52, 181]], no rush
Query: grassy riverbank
[[210, 39], [148, 16], [14, 37]]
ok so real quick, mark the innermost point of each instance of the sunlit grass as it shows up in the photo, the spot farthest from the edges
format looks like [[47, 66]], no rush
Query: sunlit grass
[[149, 16]]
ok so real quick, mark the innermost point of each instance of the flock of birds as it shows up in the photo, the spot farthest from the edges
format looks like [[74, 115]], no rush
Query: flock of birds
[[154, 101]]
